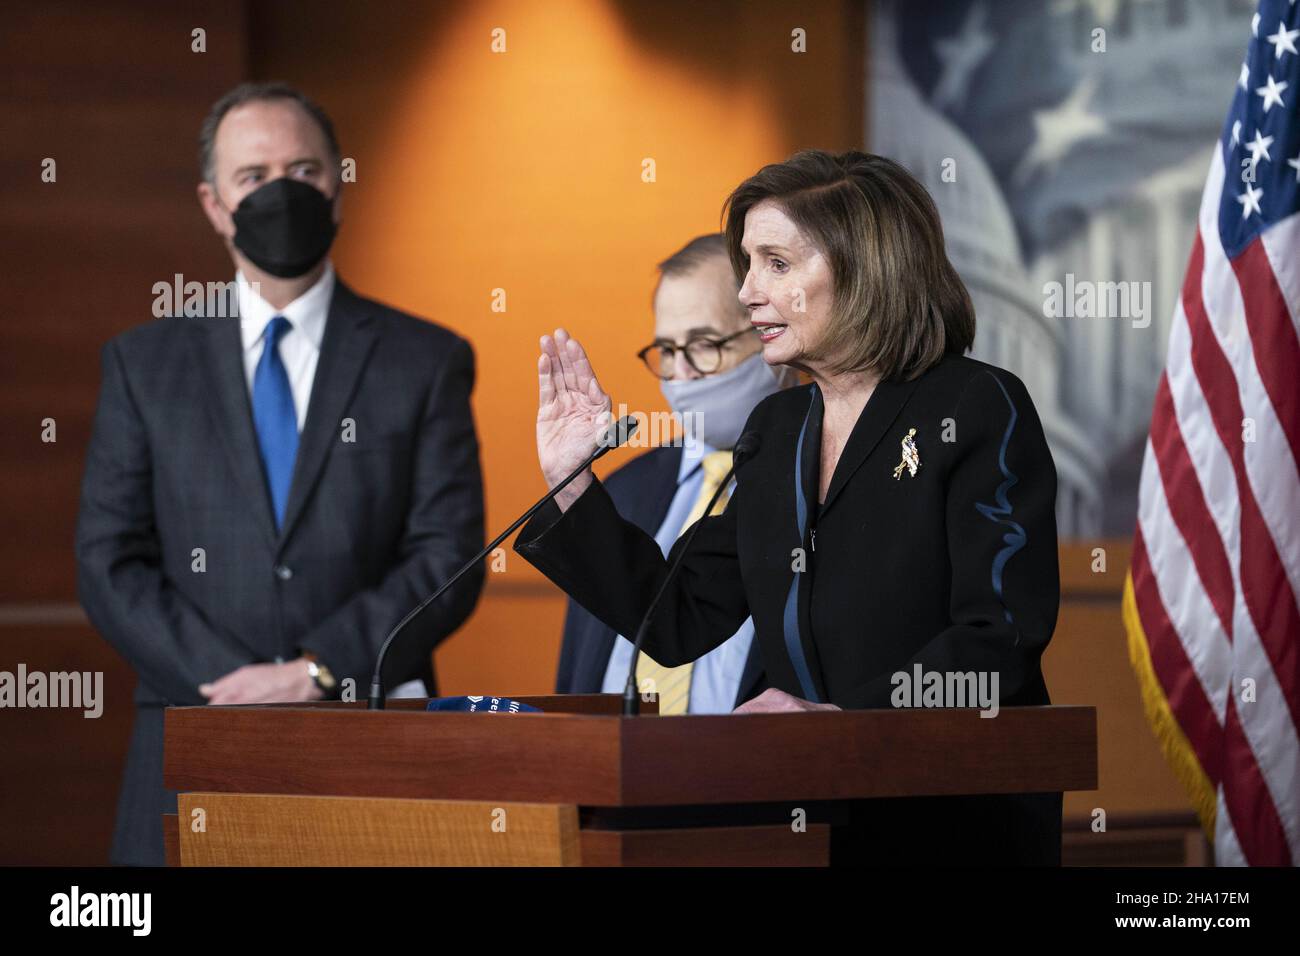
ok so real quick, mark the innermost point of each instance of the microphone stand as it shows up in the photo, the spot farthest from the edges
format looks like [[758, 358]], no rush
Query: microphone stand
[[616, 435], [745, 448]]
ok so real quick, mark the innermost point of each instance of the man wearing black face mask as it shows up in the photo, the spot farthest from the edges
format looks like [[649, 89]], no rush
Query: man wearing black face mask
[[266, 494], [706, 356]]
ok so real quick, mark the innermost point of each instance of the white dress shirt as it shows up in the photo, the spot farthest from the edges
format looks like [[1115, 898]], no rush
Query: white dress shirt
[[300, 346], [300, 353]]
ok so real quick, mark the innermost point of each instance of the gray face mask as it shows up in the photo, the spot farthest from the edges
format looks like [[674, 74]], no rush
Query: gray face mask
[[715, 408]]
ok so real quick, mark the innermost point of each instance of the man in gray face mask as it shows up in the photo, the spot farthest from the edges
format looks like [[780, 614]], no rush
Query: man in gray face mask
[[708, 358]]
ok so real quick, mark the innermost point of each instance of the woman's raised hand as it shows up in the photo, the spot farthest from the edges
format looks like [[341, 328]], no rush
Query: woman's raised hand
[[572, 413]]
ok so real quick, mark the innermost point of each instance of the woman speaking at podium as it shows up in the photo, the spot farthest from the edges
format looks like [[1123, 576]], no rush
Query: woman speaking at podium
[[896, 518]]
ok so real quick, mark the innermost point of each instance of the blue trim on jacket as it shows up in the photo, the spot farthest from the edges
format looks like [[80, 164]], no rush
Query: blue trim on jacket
[[790, 619], [1016, 538]]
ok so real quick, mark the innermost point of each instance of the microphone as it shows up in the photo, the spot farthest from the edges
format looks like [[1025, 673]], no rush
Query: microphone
[[745, 449], [614, 436]]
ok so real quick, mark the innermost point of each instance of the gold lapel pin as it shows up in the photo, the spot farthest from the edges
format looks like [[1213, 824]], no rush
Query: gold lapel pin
[[911, 457]]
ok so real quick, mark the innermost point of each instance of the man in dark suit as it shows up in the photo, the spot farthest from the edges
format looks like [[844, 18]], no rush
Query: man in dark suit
[[706, 355], [267, 493]]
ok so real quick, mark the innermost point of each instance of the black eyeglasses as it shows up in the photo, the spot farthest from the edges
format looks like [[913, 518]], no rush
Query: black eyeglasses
[[704, 354]]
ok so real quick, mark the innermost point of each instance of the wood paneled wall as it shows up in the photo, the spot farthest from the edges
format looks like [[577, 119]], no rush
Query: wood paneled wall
[[113, 93]]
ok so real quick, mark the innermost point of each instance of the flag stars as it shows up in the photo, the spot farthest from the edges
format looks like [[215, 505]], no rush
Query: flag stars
[[1295, 164], [961, 55], [1254, 25], [1271, 92], [1250, 201], [1283, 41], [1259, 147], [1061, 128], [1244, 79], [1236, 132]]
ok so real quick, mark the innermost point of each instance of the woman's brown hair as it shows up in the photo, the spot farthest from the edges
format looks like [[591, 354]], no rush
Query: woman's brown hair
[[899, 305]]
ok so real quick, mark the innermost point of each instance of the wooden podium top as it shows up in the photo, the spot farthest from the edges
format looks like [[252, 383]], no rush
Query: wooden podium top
[[580, 752]]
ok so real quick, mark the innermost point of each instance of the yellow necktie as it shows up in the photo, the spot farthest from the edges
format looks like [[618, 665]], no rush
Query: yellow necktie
[[673, 684]]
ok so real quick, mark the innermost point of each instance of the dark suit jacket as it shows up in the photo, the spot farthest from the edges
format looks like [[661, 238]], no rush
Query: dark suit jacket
[[954, 569], [371, 526], [642, 491]]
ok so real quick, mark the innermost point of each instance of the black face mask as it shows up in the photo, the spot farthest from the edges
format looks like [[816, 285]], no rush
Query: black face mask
[[284, 227]]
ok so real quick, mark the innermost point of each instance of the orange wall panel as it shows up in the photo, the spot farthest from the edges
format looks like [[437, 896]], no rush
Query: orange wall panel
[[522, 171]]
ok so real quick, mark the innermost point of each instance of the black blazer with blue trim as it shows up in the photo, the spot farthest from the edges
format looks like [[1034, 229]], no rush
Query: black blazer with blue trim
[[642, 491], [954, 569]]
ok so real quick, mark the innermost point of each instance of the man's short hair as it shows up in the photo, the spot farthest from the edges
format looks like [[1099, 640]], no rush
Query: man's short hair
[[257, 93], [693, 255]]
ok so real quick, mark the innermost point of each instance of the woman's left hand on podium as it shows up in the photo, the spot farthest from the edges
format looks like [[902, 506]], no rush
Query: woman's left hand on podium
[[773, 701]]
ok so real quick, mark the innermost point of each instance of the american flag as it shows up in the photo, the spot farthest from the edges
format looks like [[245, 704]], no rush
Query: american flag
[[1211, 602]]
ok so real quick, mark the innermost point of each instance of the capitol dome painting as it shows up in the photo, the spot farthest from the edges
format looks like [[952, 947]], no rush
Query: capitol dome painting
[[1003, 112]]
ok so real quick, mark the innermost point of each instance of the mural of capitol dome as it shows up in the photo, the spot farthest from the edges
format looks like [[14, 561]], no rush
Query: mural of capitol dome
[[983, 245]]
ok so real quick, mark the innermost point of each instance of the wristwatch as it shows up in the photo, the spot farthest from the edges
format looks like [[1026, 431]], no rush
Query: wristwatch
[[321, 675]]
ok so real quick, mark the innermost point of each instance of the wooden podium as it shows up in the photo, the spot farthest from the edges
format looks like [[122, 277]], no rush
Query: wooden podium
[[334, 784]]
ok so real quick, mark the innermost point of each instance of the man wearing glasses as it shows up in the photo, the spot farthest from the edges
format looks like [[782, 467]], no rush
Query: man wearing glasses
[[708, 359]]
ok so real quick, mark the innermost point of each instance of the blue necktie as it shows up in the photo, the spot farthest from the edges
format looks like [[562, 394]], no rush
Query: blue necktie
[[274, 416]]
